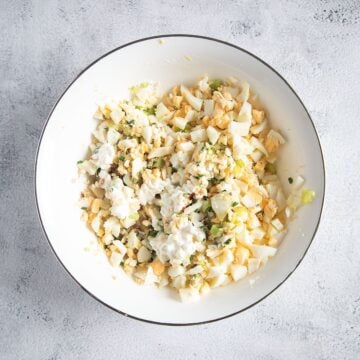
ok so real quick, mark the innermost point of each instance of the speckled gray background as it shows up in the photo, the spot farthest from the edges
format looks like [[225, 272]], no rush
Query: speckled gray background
[[314, 44]]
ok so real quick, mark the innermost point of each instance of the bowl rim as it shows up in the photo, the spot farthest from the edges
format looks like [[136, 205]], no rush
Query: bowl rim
[[123, 47]]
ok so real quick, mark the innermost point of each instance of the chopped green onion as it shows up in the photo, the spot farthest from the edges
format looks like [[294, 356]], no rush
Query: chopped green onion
[[290, 180], [84, 208], [153, 233], [195, 276], [186, 129], [140, 86], [227, 242], [150, 111], [130, 122], [215, 84], [80, 161], [198, 176], [122, 158], [215, 181]]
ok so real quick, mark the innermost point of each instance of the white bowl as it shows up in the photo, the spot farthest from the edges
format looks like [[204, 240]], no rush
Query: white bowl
[[66, 135]]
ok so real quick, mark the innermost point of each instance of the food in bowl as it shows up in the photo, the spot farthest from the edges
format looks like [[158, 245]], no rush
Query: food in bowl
[[183, 188]]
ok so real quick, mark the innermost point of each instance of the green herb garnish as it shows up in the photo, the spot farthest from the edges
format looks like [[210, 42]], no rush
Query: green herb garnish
[[213, 181], [130, 122], [153, 233], [290, 180], [80, 161], [198, 176], [186, 129], [215, 84], [153, 254], [150, 111], [122, 158]]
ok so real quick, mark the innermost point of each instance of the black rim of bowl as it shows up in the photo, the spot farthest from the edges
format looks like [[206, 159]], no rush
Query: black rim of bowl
[[160, 37]]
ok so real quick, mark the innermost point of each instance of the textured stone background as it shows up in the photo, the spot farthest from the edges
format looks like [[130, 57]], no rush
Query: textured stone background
[[314, 44]]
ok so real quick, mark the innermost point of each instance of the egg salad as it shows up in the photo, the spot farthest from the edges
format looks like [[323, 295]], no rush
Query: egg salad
[[183, 189]]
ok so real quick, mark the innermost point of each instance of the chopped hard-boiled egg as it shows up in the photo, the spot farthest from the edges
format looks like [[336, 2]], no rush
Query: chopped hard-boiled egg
[[183, 189]]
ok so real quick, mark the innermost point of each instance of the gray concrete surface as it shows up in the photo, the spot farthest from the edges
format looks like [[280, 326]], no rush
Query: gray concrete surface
[[314, 44]]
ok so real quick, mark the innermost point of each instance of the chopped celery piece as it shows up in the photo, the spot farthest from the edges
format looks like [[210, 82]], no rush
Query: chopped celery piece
[[159, 163], [216, 230], [307, 196], [134, 216], [206, 206]]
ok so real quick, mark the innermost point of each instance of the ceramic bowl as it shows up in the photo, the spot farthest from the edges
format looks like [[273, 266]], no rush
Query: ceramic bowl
[[174, 59]]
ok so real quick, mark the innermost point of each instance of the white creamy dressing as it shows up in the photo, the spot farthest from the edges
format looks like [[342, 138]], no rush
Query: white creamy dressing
[[104, 156], [149, 189], [123, 202], [173, 200], [178, 246]]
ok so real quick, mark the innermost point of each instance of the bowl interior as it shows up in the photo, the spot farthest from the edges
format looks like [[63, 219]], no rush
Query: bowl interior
[[66, 137]]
